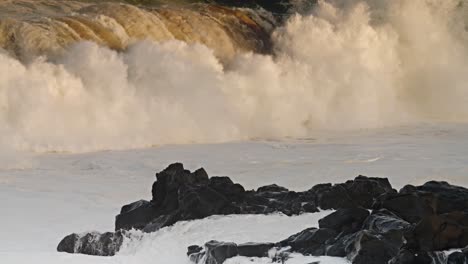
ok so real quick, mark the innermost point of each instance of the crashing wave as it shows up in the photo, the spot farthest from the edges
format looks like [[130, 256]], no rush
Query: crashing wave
[[214, 74], [49, 26]]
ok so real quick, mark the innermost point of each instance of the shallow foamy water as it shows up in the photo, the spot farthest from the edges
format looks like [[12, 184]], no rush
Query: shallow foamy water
[[47, 196]]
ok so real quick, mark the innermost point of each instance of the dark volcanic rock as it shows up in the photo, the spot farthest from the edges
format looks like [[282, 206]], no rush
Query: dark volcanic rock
[[345, 221], [168, 182], [446, 198], [199, 202], [273, 188], [258, 250], [216, 252], [363, 246], [311, 241], [370, 247], [372, 224], [410, 227], [106, 244], [383, 221], [193, 249], [412, 207], [414, 203], [440, 232], [135, 215], [179, 194], [423, 257], [360, 236], [361, 192], [458, 257]]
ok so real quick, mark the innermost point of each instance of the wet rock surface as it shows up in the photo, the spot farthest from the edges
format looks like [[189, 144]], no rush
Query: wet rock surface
[[372, 222], [458, 257], [105, 244], [375, 224]]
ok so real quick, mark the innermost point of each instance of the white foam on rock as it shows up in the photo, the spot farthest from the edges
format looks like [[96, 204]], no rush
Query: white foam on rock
[[171, 243], [48, 196]]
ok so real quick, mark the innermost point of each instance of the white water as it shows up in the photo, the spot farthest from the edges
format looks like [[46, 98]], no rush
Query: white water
[[348, 65], [359, 70], [47, 196]]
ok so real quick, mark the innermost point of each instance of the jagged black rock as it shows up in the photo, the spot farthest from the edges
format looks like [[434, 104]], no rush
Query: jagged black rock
[[373, 223], [413, 226]]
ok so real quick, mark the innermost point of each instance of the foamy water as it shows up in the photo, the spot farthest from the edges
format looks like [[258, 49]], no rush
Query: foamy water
[[344, 65], [48, 196], [349, 87]]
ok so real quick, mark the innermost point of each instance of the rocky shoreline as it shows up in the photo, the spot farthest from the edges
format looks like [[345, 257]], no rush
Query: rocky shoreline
[[373, 223]]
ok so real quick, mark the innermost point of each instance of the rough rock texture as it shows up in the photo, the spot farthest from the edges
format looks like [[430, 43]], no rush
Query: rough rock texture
[[360, 192], [216, 252], [412, 226], [345, 221], [179, 194], [384, 221], [446, 198], [422, 257], [413, 203], [106, 244], [458, 257], [310, 241], [373, 223], [439, 232], [371, 247]]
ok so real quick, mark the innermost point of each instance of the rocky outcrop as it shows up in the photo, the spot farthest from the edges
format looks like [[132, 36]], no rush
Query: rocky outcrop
[[414, 225], [363, 246], [372, 222], [413, 203], [360, 192], [439, 232], [179, 194]]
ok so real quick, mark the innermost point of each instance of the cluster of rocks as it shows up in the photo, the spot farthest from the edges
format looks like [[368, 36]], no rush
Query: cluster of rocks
[[414, 225], [373, 223]]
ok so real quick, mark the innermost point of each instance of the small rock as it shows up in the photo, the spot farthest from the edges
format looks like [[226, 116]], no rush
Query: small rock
[[106, 244]]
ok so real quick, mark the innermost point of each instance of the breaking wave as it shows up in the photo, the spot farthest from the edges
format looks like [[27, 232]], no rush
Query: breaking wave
[[102, 83], [169, 245]]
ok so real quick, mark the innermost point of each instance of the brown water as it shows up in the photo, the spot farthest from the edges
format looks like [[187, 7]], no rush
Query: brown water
[[345, 65], [35, 27]]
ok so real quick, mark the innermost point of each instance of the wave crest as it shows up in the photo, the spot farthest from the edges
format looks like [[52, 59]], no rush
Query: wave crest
[[347, 65]]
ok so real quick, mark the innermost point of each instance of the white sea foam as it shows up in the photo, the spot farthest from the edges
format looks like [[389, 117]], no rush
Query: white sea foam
[[347, 65], [48, 196], [170, 243]]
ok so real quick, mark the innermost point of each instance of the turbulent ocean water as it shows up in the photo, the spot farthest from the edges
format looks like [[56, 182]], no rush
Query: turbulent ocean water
[[95, 96], [83, 76]]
